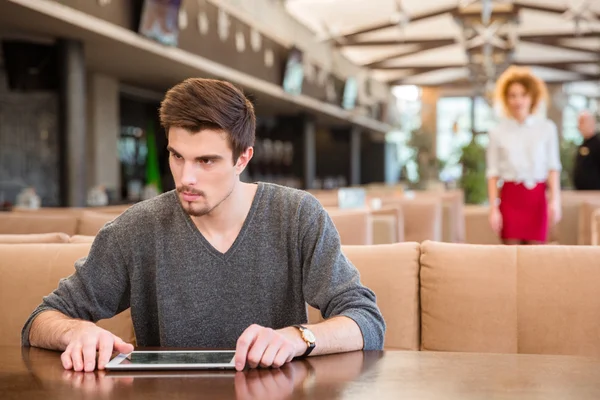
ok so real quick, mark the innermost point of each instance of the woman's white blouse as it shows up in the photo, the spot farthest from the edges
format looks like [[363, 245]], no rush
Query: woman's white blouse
[[523, 153]]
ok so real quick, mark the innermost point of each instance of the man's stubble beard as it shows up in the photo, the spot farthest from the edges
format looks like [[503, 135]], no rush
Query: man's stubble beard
[[189, 207]]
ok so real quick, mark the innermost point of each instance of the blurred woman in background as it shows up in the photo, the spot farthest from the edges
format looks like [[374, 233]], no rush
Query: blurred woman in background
[[523, 155]]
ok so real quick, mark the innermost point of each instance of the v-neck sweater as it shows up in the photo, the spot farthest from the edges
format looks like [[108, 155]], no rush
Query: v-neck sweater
[[185, 293]]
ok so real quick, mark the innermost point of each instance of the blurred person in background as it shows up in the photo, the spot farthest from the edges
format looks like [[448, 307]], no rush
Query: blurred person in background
[[523, 153], [586, 173]]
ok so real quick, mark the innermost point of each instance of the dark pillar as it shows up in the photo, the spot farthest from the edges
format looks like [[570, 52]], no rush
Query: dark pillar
[[310, 152], [73, 123], [355, 133]]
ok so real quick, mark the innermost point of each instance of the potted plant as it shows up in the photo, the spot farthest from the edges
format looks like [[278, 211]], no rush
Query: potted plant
[[473, 180]]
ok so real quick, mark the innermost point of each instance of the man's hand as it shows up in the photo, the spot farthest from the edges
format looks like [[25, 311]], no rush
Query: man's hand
[[265, 347], [82, 343]]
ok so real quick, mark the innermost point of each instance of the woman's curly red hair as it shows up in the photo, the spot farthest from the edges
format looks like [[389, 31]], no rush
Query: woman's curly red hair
[[533, 85]]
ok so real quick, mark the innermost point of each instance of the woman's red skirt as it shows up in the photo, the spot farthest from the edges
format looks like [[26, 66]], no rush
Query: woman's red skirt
[[524, 212]]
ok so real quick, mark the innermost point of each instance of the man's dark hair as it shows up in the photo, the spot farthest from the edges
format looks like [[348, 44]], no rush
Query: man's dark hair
[[196, 104]]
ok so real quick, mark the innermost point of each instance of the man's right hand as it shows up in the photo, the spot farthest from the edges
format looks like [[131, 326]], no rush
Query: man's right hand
[[84, 340]]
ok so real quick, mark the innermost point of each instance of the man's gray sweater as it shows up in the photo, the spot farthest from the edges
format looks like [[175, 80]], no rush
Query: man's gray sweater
[[184, 293]]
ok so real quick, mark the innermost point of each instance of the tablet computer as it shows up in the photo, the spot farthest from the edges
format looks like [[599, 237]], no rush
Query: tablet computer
[[173, 359]]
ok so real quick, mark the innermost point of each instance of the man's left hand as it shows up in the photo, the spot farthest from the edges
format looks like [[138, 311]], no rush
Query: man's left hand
[[265, 347]]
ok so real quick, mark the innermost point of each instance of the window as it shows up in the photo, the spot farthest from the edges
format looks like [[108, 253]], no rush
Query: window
[[575, 104], [408, 101], [485, 116], [454, 131]]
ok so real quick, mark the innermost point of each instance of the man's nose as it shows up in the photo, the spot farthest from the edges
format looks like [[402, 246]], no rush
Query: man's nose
[[188, 176]]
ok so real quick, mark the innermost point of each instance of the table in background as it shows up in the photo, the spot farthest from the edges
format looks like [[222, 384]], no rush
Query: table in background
[[30, 373]]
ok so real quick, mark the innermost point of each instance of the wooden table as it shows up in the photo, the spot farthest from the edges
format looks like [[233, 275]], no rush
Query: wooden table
[[31, 373]]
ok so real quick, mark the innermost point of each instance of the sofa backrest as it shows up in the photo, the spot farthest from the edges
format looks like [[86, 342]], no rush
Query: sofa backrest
[[510, 299], [385, 229], [586, 211], [596, 227], [57, 237], [354, 226], [477, 226], [569, 230], [422, 217], [24, 223], [392, 272], [433, 296], [82, 239], [90, 222], [28, 272], [453, 224], [388, 225]]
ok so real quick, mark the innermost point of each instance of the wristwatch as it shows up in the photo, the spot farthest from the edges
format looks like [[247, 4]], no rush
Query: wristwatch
[[308, 337]]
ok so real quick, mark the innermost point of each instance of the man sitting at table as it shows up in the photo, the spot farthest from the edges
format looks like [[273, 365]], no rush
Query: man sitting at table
[[216, 263]]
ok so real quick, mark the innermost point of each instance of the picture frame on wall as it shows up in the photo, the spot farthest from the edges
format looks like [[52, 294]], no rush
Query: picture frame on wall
[[160, 21]]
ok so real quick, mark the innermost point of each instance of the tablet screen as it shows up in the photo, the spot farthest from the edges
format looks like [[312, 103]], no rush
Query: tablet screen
[[178, 358]]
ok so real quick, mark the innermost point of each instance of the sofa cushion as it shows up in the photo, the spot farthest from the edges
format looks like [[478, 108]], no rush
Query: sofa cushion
[[28, 272], [392, 272], [33, 222], [57, 237], [468, 297], [558, 301], [90, 222]]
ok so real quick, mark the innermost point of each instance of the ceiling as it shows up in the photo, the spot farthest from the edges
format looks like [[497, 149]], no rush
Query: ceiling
[[140, 62], [458, 42]]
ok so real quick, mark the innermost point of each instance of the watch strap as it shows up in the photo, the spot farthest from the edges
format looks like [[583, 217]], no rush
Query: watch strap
[[311, 345]]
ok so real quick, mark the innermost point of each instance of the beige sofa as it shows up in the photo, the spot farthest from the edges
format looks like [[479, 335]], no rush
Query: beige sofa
[[70, 222], [510, 299], [56, 237], [30, 271], [434, 296], [485, 298]]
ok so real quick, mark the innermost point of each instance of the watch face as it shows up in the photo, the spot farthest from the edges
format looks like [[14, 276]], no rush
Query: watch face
[[308, 335]]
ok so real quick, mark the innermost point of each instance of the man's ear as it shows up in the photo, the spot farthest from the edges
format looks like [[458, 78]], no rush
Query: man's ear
[[243, 160]]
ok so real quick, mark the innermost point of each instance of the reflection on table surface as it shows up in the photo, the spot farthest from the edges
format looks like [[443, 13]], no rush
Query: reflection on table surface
[[31, 373]]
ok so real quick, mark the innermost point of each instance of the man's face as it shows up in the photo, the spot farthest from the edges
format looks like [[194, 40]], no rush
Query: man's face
[[587, 124], [203, 169]]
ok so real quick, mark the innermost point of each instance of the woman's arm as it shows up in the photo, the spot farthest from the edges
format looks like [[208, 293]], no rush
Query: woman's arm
[[492, 174], [554, 186], [554, 169], [492, 169]]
